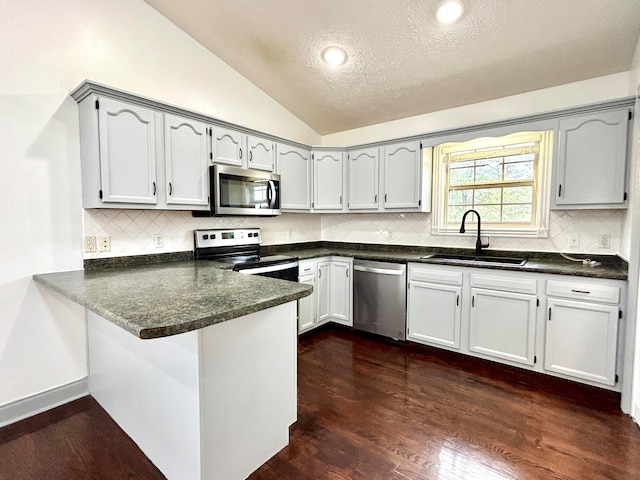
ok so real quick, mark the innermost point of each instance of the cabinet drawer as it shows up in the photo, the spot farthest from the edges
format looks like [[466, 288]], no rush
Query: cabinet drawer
[[504, 283], [435, 275], [589, 291], [306, 267]]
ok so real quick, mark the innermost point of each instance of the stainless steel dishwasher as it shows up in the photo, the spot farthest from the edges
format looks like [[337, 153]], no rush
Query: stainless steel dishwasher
[[380, 298]]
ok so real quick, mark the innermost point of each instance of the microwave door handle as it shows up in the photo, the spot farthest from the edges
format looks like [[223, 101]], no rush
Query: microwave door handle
[[271, 194]]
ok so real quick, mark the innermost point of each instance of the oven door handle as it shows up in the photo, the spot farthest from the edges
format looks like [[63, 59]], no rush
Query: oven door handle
[[269, 268], [271, 194]]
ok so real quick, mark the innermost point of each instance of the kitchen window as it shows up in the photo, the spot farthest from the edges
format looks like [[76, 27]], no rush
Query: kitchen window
[[505, 179]]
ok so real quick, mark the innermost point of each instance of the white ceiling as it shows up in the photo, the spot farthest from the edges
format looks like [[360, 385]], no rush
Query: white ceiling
[[401, 61]]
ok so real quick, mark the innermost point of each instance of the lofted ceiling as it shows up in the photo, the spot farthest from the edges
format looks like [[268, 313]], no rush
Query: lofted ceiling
[[401, 61]]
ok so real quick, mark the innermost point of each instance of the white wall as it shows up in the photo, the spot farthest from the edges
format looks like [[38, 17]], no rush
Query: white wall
[[48, 48], [545, 100]]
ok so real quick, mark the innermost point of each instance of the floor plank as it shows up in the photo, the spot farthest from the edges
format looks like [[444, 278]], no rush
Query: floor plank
[[372, 409], [375, 409]]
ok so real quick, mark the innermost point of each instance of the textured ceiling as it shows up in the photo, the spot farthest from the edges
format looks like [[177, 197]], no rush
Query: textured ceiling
[[401, 61]]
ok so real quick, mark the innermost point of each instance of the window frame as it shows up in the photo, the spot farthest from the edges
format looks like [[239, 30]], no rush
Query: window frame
[[538, 228]]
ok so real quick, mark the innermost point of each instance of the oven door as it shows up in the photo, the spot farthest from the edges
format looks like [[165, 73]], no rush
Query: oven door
[[238, 191], [286, 270]]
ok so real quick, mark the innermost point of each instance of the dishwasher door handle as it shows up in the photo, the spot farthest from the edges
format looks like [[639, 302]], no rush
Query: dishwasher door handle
[[383, 271]]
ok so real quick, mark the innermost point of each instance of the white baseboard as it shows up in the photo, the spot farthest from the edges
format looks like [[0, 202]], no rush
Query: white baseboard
[[635, 413], [41, 402]]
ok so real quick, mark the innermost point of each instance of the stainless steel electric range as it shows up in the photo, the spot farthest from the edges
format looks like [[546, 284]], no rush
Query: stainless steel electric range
[[241, 248]]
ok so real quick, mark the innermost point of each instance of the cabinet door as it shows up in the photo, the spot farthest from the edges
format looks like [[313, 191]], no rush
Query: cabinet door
[[341, 292], [592, 157], [323, 282], [294, 167], [433, 314], [260, 153], [127, 153], [503, 325], [363, 179], [327, 180], [307, 306], [227, 147], [185, 153], [581, 340], [402, 173]]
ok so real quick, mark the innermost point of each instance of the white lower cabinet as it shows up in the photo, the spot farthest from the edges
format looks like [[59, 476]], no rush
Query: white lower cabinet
[[503, 325], [434, 307], [341, 291], [582, 331], [324, 299], [553, 324], [331, 300], [307, 305]]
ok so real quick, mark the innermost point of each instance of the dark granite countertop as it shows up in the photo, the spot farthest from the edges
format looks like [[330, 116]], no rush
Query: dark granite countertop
[[611, 266], [170, 298]]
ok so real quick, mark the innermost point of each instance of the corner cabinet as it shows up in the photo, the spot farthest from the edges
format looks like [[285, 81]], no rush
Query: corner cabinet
[[591, 161], [135, 157], [328, 180], [333, 291], [294, 167]]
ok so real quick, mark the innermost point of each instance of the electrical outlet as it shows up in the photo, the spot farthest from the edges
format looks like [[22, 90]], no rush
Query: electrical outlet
[[90, 244], [604, 240], [104, 243], [158, 240], [574, 240]]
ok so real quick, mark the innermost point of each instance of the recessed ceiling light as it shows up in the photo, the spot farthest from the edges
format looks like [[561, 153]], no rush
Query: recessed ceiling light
[[449, 11], [334, 56]]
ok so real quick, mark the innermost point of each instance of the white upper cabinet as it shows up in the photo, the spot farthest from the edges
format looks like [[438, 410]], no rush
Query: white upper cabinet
[[328, 181], [227, 147], [363, 179], [294, 167], [590, 169], [402, 172], [260, 153], [127, 158], [230, 147], [185, 152]]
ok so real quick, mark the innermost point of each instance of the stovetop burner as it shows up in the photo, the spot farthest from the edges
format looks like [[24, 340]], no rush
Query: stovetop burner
[[239, 247]]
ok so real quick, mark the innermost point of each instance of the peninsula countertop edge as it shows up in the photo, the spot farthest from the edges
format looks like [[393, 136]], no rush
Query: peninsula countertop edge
[[171, 298]]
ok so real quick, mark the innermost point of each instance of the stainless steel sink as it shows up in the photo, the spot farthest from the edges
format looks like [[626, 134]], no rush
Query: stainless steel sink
[[479, 259]]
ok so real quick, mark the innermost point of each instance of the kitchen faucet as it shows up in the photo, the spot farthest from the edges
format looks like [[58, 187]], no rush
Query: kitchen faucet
[[479, 243]]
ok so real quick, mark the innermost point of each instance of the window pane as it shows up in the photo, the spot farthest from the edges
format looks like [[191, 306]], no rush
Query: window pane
[[454, 214], [486, 195], [461, 197], [525, 157], [460, 175], [489, 213], [517, 195], [518, 171], [489, 170], [516, 213]]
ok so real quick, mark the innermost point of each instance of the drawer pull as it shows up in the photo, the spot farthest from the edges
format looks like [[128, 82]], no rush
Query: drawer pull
[[580, 291]]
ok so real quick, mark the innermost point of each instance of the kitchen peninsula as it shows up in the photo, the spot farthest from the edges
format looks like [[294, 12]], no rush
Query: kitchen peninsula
[[196, 364]]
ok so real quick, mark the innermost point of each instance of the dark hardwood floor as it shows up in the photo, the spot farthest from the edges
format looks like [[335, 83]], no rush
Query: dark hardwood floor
[[374, 409]]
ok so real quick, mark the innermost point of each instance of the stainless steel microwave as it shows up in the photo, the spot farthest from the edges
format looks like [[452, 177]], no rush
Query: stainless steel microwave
[[239, 191]]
